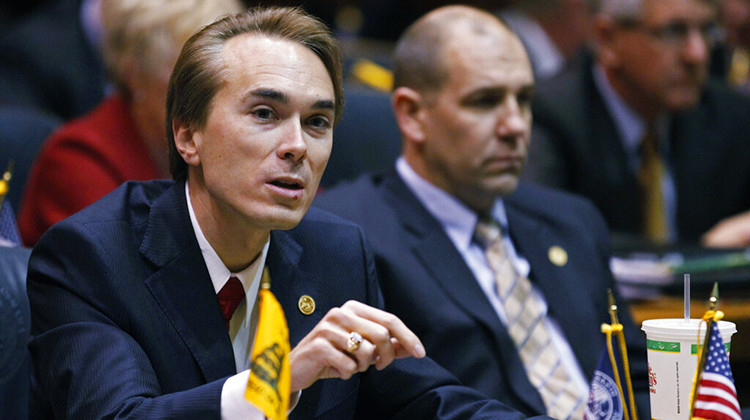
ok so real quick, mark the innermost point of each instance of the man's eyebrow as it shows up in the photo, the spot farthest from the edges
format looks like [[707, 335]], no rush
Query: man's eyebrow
[[270, 94], [323, 104], [279, 96]]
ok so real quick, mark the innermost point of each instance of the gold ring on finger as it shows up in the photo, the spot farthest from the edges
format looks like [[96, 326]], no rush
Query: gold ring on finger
[[353, 342]]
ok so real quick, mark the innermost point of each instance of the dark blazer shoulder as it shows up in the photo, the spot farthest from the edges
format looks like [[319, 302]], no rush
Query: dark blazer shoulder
[[130, 202], [345, 195], [377, 202], [562, 92], [550, 202]]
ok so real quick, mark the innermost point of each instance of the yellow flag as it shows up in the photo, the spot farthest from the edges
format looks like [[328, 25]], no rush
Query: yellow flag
[[270, 380]]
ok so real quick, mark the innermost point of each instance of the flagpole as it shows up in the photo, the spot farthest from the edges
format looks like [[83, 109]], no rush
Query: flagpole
[[624, 356], [713, 302]]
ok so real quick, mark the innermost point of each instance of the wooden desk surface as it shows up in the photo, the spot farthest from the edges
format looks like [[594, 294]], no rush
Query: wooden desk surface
[[736, 310]]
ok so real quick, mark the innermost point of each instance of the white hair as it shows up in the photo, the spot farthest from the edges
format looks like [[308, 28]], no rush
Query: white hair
[[149, 34]]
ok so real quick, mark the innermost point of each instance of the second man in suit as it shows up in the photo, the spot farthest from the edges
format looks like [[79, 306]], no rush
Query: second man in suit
[[516, 316]]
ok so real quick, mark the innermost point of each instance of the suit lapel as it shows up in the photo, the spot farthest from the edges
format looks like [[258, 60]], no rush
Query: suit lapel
[[289, 282], [292, 277], [182, 287], [440, 258], [558, 285], [437, 254]]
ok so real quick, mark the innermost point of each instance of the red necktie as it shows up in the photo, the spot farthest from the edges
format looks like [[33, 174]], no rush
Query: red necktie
[[230, 297]]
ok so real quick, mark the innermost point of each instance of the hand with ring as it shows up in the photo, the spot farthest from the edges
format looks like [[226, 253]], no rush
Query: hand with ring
[[348, 340]]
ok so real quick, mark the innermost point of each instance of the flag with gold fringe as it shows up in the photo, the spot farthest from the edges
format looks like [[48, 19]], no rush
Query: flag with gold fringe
[[714, 396], [611, 394], [269, 385]]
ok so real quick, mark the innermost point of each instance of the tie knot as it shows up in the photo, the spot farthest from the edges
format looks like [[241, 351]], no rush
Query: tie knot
[[487, 232], [230, 297]]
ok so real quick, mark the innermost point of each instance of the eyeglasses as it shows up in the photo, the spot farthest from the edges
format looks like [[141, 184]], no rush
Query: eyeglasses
[[676, 34]]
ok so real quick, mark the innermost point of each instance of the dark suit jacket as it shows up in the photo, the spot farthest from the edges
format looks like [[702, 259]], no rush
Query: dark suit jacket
[[576, 147], [126, 324], [426, 282]]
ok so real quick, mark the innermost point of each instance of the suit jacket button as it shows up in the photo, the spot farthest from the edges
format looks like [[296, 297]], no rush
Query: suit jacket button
[[306, 304]]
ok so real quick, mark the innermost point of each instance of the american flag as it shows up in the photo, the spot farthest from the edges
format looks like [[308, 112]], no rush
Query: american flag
[[716, 397]]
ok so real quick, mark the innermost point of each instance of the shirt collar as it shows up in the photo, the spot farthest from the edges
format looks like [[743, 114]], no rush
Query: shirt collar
[[630, 125], [458, 221], [218, 272]]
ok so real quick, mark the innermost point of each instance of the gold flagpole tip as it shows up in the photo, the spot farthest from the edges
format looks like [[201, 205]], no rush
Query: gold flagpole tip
[[612, 306], [714, 299], [8, 174], [611, 300]]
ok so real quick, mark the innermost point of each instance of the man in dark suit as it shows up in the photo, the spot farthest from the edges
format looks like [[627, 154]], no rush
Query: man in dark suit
[[463, 87], [128, 296], [650, 70]]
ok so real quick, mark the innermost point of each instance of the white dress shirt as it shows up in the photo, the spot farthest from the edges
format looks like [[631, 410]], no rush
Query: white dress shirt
[[459, 223], [234, 406]]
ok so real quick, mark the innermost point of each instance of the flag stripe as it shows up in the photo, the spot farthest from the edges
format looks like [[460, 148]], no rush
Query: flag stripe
[[715, 380], [705, 399], [715, 411], [715, 395]]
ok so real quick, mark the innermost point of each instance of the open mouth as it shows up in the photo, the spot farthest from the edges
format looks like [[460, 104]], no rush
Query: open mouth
[[290, 185]]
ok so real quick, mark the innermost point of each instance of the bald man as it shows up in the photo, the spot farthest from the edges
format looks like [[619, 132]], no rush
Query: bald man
[[485, 306]]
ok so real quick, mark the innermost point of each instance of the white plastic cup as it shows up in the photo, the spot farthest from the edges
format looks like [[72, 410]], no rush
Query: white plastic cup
[[673, 346]]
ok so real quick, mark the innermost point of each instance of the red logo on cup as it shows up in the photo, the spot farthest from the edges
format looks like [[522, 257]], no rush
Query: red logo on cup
[[651, 380]]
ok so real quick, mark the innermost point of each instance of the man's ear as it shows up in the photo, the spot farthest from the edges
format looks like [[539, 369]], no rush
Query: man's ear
[[408, 108], [605, 36], [186, 141]]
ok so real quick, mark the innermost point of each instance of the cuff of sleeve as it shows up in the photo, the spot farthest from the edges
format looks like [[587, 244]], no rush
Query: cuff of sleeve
[[233, 403], [235, 406]]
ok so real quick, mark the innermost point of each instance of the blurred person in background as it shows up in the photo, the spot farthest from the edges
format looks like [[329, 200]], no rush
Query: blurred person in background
[[553, 31], [639, 129], [51, 57], [123, 138], [731, 58]]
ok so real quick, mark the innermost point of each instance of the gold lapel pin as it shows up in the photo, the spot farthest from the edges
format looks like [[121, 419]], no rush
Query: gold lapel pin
[[306, 304], [557, 256]]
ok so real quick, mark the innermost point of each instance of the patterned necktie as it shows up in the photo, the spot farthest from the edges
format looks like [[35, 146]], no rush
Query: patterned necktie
[[650, 178], [230, 296], [528, 329]]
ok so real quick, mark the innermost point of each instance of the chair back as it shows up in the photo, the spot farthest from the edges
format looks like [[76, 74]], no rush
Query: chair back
[[366, 139], [22, 132], [15, 324]]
